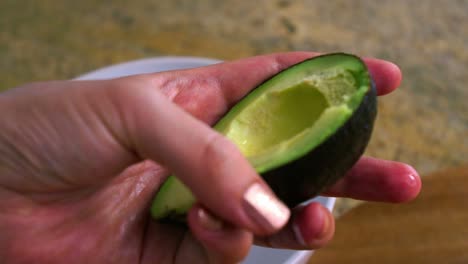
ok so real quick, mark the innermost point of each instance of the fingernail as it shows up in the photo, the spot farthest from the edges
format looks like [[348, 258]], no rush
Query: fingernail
[[315, 236], [264, 208], [209, 221]]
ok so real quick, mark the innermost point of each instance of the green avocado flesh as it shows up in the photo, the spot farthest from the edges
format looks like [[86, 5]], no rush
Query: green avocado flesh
[[301, 130]]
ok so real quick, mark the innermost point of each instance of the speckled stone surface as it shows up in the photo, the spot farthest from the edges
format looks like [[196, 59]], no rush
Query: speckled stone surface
[[424, 123]]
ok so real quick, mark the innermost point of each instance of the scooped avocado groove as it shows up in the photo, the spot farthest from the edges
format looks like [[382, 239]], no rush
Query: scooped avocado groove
[[301, 130]]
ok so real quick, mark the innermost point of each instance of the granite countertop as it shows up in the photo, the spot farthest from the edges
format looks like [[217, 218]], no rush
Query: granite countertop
[[424, 123]]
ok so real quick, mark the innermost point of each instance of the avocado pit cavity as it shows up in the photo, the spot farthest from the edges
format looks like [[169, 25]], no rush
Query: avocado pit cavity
[[281, 115]]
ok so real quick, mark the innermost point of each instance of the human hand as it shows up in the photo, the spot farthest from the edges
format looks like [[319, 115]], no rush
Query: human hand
[[81, 160]]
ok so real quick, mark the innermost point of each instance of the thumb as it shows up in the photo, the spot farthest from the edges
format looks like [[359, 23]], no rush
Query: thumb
[[209, 164]]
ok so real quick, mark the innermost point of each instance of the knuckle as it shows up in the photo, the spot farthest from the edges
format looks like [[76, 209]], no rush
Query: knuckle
[[218, 155], [129, 88], [277, 65]]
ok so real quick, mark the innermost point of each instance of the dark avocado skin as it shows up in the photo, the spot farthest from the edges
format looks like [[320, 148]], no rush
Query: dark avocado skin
[[306, 177]]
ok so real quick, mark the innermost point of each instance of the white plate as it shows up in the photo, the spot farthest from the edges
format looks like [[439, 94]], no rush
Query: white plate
[[257, 254]]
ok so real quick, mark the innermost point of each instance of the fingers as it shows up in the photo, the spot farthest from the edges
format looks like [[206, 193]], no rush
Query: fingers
[[311, 227], [378, 180], [208, 92], [386, 75], [210, 165], [223, 242]]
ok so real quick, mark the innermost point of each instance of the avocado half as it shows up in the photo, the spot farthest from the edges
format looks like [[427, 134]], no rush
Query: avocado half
[[301, 130]]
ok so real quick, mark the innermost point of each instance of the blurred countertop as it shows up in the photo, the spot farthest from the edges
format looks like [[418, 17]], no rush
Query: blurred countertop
[[424, 123], [431, 230]]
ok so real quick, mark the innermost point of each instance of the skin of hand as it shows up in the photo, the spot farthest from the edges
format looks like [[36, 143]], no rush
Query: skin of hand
[[80, 162]]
